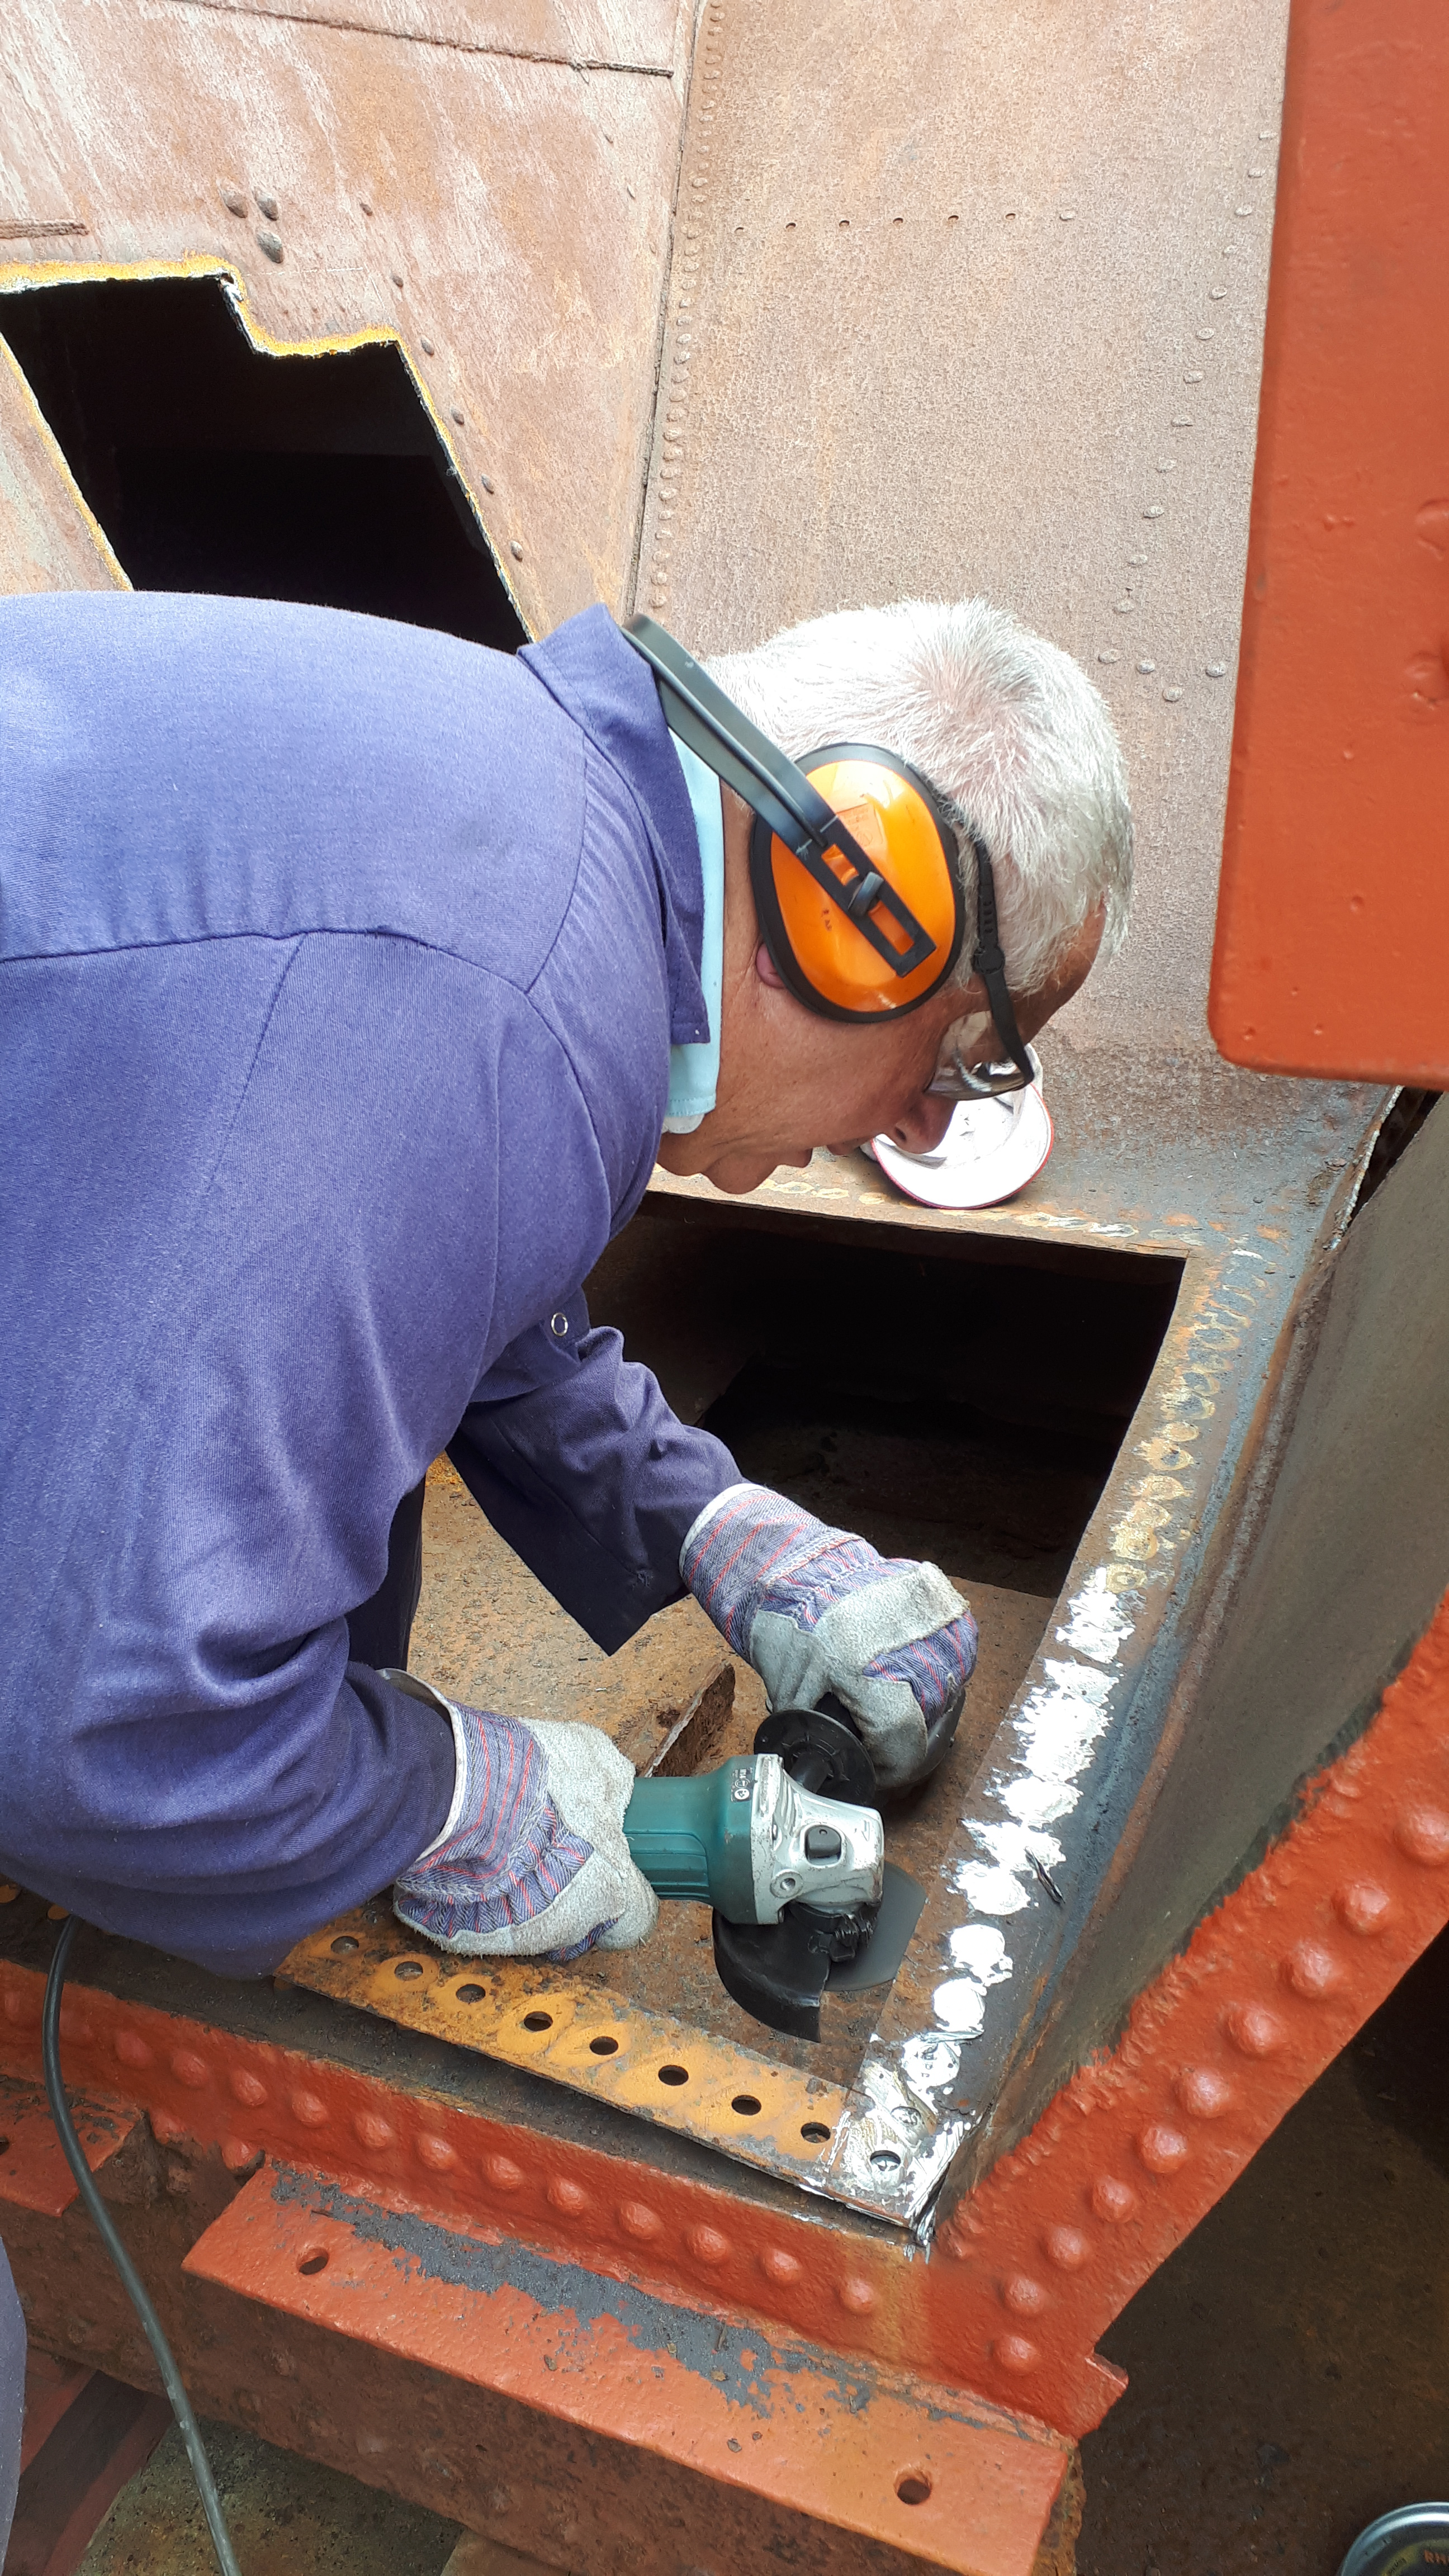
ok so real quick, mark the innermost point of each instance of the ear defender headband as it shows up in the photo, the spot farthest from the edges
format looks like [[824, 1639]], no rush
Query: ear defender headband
[[852, 859]]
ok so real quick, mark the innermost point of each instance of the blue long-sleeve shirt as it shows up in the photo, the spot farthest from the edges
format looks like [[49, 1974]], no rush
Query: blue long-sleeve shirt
[[341, 964]]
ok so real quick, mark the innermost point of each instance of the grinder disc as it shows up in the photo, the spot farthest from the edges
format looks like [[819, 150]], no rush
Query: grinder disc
[[777, 1972]]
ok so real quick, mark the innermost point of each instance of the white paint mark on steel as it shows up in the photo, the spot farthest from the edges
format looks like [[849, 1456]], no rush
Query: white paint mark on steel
[[1097, 1623]]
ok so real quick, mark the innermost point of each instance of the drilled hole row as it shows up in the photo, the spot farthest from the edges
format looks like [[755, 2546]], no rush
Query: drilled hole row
[[746, 2105]]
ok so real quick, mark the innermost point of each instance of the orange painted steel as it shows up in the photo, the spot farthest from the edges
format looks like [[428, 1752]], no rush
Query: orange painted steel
[[33, 2170], [1029, 2268], [1138, 2147], [961, 2486], [1333, 914]]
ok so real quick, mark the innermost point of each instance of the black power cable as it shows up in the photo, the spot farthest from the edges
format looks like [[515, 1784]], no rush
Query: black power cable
[[135, 2286]]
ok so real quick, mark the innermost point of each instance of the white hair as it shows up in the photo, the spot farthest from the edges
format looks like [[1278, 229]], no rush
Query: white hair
[[1008, 730]]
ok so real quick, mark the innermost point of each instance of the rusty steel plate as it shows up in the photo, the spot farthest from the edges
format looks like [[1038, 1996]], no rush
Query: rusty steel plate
[[587, 36], [557, 2025], [506, 220], [969, 299]]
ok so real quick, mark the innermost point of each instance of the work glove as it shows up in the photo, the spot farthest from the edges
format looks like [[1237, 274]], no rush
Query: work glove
[[816, 1610], [532, 1861]]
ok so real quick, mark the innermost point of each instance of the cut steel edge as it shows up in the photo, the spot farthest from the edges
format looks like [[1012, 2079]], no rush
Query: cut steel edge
[[821, 2435], [19, 277], [638, 2075], [1142, 2141]]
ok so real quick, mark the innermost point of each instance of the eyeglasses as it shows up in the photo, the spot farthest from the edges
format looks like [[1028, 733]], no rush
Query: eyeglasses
[[960, 1081]]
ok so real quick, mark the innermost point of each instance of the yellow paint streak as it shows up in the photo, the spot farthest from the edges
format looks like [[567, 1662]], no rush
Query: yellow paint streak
[[486, 2005]]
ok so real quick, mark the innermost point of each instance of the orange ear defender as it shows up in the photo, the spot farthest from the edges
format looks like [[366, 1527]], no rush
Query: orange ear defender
[[852, 860]]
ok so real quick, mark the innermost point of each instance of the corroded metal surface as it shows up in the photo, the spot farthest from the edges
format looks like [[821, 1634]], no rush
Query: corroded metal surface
[[417, 193], [968, 300], [900, 2463], [575, 2032], [48, 539], [587, 35]]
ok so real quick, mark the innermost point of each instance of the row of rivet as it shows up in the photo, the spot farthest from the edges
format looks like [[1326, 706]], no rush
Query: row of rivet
[[675, 420], [707, 2247], [1154, 511], [1311, 1971]]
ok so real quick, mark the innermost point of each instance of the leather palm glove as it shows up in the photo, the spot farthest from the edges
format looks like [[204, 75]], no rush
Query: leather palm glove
[[816, 1610], [532, 1861]]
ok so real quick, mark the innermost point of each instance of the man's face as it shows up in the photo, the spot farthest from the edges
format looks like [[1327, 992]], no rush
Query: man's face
[[790, 1081]]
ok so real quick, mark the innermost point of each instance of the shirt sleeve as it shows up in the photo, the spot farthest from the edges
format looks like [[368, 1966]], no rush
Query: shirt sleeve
[[580, 1465]]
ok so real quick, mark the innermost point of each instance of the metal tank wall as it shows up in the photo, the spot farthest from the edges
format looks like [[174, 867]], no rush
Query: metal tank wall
[[740, 320]]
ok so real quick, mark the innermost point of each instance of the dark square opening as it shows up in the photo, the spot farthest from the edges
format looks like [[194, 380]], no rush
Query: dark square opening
[[214, 466]]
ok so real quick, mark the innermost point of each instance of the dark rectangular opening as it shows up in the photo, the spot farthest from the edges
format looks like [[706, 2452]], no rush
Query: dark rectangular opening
[[947, 1398], [961, 1397], [214, 466]]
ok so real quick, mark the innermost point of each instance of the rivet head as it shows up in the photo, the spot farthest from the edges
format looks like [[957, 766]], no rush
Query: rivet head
[[270, 245], [310, 2109], [436, 2153], [235, 2153], [857, 2295], [426, 347], [1024, 2296], [1202, 2093], [1423, 1835], [456, 415], [1362, 1906], [502, 2173], [267, 208], [780, 2267], [570, 2197], [1254, 2031], [1014, 2353], [516, 550], [397, 277], [707, 2245], [132, 2049], [1067, 2247], [1114, 2201], [234, 200], [1312, 1971], [639, 2220], [167, 2128], [371, 2130], [189, 2069], [248, 2088], [1162, 2149]]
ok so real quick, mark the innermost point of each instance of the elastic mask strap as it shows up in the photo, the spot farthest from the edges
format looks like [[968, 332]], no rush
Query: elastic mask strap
[[988, 960]]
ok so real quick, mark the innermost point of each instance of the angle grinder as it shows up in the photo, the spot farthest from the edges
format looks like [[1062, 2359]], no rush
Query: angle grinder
[[787, 1845]]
